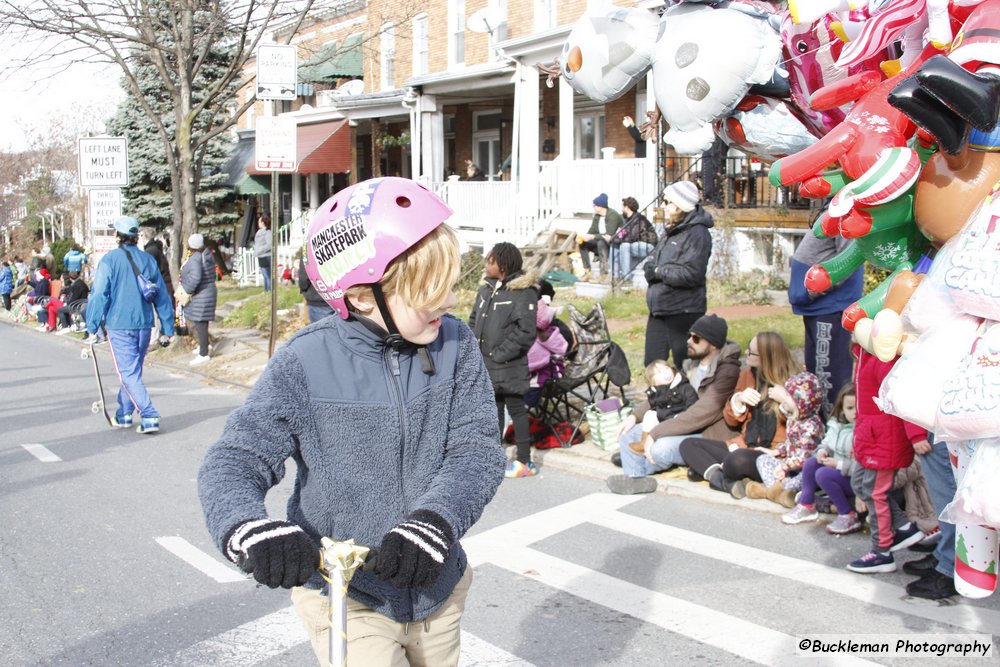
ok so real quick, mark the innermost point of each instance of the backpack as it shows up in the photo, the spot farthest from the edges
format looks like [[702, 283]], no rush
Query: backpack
[[147, 287], [618, 370]]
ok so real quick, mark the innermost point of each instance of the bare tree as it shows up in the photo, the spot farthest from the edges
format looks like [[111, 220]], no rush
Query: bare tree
[[176, 36]]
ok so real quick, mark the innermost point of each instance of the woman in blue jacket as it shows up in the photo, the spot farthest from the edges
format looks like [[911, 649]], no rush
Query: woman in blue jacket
[[6, 284]]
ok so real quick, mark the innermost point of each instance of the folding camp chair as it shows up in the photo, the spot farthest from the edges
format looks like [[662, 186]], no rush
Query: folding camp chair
[[598, 364]]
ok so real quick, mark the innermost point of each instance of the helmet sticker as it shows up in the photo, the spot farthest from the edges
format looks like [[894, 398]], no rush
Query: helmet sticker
[[346, 244]]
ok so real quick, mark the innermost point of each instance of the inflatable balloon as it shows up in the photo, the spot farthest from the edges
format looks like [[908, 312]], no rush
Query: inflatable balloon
[[707, 59], [693, 142], [764, 128], [608, 51], [810, 53], [976, 546]]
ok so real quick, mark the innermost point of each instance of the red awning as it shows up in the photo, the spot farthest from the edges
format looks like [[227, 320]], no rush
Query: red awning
[[322, 148]]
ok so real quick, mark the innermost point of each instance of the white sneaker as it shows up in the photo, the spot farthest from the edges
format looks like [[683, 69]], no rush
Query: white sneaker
[[64, 331], [199, 360], [42, 327]]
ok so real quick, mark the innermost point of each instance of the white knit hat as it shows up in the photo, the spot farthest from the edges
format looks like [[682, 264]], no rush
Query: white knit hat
[[196, 242], [684, 194]]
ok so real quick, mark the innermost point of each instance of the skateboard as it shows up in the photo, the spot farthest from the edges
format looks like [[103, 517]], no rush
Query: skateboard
[[97, 406]]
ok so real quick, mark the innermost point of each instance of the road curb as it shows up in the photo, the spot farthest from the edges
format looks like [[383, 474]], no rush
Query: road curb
[[588, 460]]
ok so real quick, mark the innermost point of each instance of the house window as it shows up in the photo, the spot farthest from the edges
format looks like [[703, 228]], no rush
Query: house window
[[545, 14], [589, 135], [456, 32], [486, 140], [387, 55], [420, 45]]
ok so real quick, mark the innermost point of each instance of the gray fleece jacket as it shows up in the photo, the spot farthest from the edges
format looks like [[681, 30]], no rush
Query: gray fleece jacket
[[373, 438]]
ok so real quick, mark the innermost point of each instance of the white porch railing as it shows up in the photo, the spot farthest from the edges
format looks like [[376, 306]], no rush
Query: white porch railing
[[577, 182], [290, 238], [488, 212]]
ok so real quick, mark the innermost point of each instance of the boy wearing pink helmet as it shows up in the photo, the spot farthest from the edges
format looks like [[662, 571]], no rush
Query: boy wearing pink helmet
[[388, 413]]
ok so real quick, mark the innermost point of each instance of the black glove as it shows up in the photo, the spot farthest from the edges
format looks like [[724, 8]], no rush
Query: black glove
[[413, 553], [277, 553], [650, 271]]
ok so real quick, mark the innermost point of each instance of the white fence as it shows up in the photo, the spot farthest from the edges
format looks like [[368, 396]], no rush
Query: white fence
[[487, 212], [290, 239], [577, 182]]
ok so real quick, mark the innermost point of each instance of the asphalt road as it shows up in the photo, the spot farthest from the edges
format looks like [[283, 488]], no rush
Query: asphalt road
[[104, 558]]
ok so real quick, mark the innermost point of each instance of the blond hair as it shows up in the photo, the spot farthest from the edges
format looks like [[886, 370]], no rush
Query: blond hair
[[424, 275], [651, 369]]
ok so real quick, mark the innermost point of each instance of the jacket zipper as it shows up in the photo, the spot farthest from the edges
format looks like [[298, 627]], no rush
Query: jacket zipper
[[391, 357]]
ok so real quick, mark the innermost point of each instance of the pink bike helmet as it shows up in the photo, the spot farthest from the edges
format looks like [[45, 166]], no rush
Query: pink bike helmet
[[359, 230]]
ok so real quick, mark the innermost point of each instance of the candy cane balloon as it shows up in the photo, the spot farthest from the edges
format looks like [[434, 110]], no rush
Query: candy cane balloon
[[976, 547]]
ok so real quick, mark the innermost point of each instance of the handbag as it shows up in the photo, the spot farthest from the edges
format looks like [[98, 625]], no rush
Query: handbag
[[182, 296], [147, 288], [605, 418], [761, 428]]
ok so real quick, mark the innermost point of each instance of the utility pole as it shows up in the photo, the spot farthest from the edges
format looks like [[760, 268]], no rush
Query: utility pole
[[275, 138]]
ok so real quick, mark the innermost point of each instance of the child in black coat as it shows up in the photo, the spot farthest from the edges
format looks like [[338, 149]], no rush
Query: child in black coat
[[503, 320], [669, 393]]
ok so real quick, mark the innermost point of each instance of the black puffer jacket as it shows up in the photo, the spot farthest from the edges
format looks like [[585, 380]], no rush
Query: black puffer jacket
[[504, 322], [676, 274]]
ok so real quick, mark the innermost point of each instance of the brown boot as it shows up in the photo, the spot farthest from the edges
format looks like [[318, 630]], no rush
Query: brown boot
[[755, 489], [779, 494], [639, 447]]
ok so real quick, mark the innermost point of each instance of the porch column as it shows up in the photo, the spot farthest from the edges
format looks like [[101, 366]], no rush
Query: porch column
[[314, 196], [431, 140], [296, 195], [528, 102], [567, 147], [414, 137]]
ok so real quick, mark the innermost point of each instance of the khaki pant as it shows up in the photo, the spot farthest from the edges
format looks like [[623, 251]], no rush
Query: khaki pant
[[374, 640]]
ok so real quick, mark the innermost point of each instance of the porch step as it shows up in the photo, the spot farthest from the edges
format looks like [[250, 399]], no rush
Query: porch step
[[552, 253]]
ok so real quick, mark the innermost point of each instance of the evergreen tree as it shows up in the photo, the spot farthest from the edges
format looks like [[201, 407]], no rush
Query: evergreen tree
[[149, 197]]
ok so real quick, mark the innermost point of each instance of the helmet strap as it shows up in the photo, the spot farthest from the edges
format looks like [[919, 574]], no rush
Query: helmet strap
[[394, 339]]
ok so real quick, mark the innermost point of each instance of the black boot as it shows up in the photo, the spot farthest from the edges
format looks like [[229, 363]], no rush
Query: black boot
[[932, 586], [716, 480]]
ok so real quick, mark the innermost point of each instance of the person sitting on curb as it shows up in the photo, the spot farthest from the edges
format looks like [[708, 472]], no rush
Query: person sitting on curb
[[668, 393], [712, 367]]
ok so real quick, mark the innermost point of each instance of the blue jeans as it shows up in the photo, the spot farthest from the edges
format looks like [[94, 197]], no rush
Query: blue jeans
[[316, 313], [128, 351], [941, 485], [629, 254], [666, 451], [265, 270]]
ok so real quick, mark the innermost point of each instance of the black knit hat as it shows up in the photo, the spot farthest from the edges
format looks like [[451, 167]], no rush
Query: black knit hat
[[712, 328]]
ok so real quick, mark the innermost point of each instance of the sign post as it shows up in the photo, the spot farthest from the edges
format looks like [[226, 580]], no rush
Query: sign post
[[275, 145]]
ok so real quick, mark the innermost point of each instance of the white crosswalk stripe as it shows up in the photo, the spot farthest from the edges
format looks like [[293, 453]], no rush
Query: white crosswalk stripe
[[272, 635], [510, 547], [41, 452]]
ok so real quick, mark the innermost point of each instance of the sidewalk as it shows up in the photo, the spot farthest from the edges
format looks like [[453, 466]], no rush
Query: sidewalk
[[239, 356]]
